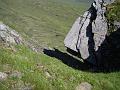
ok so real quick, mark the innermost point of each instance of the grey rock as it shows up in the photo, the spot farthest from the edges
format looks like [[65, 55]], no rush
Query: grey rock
[[108, 1], [48, 74], [89, 31], [84, 86], [8, 35], [71, 38], [99, 28], [82, 44], [16, 74], [3, 76], [117, 25]]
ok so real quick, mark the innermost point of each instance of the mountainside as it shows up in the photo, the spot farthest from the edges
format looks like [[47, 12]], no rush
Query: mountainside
[[44, 24]]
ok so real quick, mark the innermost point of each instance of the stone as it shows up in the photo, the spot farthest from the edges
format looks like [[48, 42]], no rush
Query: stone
[[16, 74], [82, 44], [89, 32], [84, 86], [117, 25], [108, 1], [3, 76], [8, 35], [71, 38], [47, 74]]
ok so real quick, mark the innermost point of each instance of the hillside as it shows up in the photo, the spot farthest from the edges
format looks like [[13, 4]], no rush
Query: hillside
[[44, 24]]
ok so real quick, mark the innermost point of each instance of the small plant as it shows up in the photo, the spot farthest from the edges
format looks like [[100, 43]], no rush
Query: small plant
[[113, 14]]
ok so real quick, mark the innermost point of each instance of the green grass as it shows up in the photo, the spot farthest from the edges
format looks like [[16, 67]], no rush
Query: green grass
[[62, 77], [45, 23]]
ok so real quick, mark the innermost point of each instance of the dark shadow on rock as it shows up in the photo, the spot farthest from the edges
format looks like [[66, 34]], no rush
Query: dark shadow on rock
[[110, 52]]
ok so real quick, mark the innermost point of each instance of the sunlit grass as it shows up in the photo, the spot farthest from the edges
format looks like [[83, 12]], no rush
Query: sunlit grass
[[44, 23]]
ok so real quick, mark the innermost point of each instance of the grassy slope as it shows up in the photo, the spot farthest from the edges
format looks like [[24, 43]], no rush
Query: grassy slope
[[34, 66], [46, 22]]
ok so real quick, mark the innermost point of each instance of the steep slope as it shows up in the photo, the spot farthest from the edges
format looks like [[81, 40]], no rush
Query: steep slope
[[44, 22], [29, 70], [47, 26]]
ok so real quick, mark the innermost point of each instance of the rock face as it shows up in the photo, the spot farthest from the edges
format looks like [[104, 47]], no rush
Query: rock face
[[89, 32], [72, 37], [8, 35]]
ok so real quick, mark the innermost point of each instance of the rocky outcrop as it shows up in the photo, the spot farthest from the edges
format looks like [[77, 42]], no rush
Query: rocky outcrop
[[8, 35], [87, 35]]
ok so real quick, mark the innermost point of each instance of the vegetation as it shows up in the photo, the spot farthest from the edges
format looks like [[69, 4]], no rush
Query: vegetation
[[34, 67], [114, 11], [113, 14], [44, 23]]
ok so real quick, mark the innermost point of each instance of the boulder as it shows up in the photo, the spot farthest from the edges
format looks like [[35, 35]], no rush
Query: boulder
[[89, 32]]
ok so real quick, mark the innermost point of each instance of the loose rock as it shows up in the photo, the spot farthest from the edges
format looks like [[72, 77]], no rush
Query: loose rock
[[3, 76], [84, 86], [16, 74], [48, 74], [9, 35]]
